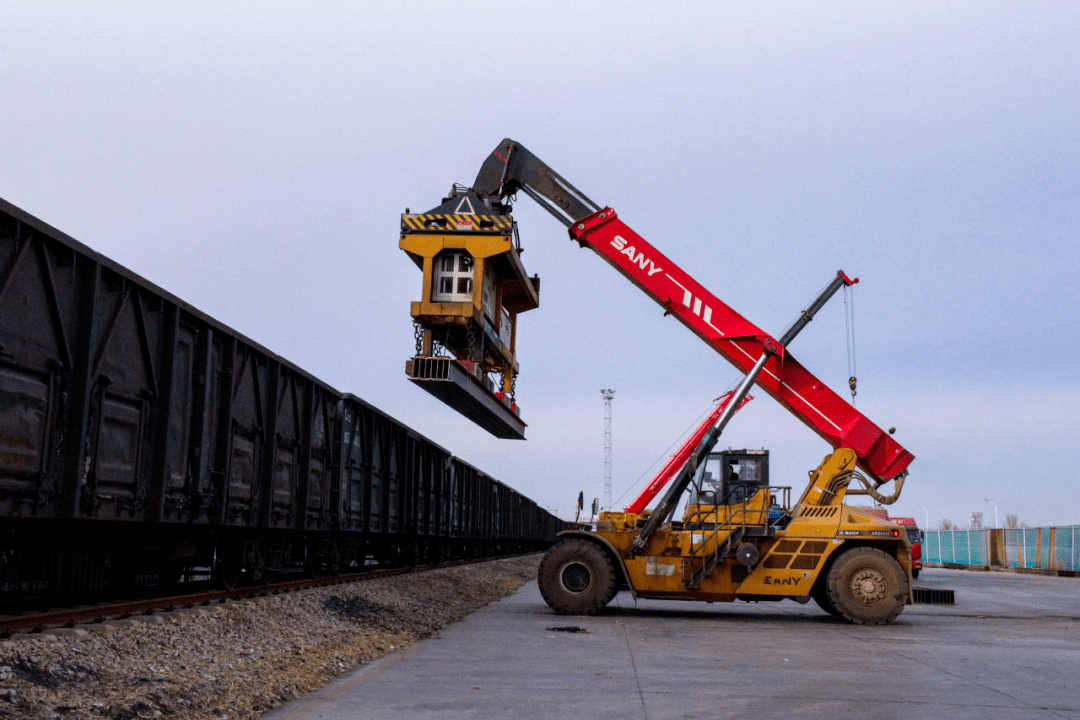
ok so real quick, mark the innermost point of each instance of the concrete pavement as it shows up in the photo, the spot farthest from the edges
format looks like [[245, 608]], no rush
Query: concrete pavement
[[1009, 649]]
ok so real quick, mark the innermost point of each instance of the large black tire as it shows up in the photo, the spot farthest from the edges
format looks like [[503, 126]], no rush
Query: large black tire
[[820, 593], [867, 586], [577, 577]]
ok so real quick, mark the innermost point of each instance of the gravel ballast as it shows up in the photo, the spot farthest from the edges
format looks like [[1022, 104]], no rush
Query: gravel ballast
[[239, 660]]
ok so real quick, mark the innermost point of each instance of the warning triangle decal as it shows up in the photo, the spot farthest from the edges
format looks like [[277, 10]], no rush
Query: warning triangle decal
[[465, 207]]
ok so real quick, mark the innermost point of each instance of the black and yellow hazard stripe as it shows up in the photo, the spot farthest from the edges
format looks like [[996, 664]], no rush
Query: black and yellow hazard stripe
[[465, 223]]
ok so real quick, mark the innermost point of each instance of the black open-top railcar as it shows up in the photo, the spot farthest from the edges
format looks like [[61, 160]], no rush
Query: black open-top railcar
[[141, 438]]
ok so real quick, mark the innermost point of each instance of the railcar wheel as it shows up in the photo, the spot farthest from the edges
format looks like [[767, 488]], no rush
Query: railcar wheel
[[410, 555], [228, 564], [333, 560], [259, 573], [576, 577], [312, 562], [867, 587]]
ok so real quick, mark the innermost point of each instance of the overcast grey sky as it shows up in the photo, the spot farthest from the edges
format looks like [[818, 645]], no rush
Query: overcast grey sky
[[253, 159]]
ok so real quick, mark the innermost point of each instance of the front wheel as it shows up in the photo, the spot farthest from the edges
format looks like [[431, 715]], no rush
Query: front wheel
[[576, 577], [867, 586]]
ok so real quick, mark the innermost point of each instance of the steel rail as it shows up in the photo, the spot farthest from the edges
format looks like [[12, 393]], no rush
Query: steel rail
[[41, 622]]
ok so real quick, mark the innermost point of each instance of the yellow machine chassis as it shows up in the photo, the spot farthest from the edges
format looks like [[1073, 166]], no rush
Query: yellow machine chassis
[[792, 559]]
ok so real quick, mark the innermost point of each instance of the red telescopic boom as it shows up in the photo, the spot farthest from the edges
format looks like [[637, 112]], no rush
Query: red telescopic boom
[[742, 343], [511, 167], [679, 458]]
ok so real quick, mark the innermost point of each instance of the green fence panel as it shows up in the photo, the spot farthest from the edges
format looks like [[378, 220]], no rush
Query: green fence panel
[[1051, 548]]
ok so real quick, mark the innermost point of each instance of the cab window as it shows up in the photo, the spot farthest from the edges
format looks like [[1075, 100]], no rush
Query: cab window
[[707, 483]]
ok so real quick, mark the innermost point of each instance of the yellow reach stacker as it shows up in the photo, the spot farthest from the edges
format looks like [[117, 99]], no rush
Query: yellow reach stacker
[[739, 538]]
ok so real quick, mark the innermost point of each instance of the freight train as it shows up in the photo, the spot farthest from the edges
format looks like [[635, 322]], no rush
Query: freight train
[[141, 441]]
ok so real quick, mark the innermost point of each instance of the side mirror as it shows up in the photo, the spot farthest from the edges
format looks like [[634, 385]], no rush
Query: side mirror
[[595, 506]]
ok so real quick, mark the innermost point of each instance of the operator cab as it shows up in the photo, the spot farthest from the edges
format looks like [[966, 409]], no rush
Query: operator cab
[[727, 480], [730, 477]]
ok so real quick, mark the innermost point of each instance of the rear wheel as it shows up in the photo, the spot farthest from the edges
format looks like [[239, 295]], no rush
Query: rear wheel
[[820, 593], [577, 577], [867, 586]]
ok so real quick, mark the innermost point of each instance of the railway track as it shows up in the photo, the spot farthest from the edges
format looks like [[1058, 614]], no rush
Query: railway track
[[39, 622]]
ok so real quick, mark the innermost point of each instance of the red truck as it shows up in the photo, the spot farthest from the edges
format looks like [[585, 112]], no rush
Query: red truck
[[915, 538]]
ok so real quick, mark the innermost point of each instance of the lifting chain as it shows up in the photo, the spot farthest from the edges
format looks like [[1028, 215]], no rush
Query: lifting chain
[[513, 388], [475, 351], [438, 347], [418, 333]]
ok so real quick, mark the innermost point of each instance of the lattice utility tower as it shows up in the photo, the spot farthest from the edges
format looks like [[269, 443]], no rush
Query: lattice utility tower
[[608, 395]]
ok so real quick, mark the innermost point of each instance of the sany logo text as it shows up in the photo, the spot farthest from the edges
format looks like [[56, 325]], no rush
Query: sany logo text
[[638, 258]]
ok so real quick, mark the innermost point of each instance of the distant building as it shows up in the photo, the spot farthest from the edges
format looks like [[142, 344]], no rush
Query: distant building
[[976, 521]]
